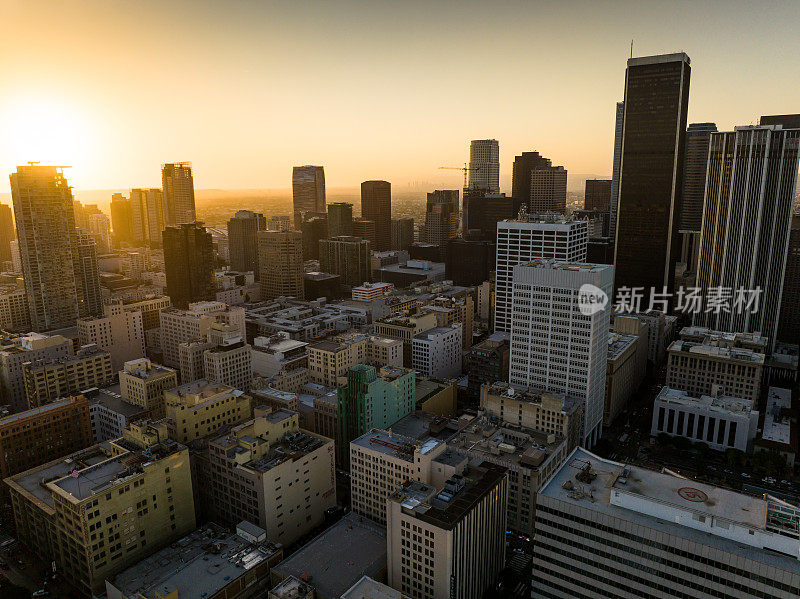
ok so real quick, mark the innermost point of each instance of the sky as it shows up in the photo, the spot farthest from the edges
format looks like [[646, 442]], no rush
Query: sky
[[371, 90]]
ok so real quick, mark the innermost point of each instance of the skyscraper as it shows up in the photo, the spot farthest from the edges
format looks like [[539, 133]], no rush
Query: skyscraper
[[90, 297], [402, 233], [752, 173], [365, 229], [121, 219], [308, 191], [694, 188], [45, 217], [651, 175], [376, 205], [556, 344], [7, 232], [314, 229], [99, 227], [598, 194], [178, 185], [147, 217], [789, 323], [348, 257], [242, 240], [441, 216], [548, 190], [189, 264], [280, 259], [340, 219], [527, 238], [482, 211], [615, 169], [521, 173], [484, 164]]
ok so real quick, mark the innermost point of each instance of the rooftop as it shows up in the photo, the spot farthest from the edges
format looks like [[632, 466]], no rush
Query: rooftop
[[367, 588], [722, 403], [502, 389], [334, 561], [672, 504], [431, 334], [55, 405], [618, 344], [713, 351], [389, 443], [198, 565], [550, 264], [461, 493], [778, 423]]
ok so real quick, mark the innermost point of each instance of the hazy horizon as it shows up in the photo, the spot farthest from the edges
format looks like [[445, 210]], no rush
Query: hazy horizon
[[369, 90]]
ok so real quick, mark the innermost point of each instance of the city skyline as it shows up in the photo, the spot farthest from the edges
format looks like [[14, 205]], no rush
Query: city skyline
[[243, 84]]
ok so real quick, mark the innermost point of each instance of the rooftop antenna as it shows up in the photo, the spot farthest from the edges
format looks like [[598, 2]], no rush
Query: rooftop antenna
[[631, 47]]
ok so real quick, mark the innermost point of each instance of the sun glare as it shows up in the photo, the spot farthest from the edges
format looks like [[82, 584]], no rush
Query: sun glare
[[45, 130]]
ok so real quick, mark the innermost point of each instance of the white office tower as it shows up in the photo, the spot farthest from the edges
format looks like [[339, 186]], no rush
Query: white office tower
[[484, 165], [529, 237], [559, 333], [605, 529]]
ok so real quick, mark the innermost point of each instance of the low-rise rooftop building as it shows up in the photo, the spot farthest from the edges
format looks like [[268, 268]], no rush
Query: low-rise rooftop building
[[779, 429]]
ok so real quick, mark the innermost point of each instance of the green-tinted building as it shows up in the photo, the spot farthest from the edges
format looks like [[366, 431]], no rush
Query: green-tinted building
[[372, 399]]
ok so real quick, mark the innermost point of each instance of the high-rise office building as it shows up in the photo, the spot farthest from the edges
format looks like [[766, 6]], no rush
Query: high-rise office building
[[482, 211], [441, 217], [148, 217], [121, 219], [752, 173], [605, 529], [7, 232], [651, 175], [694, 188], [365, 229], [100, 228], [557, 344], [484, 165], [598, 194], [178, 185], [615, 170], [402, 233], [789, 321], [48, 245], [189, 264], [90, 296], [48, 380], [308, 191], [340, 219], [521, 173], [526, 238], [376, 205], [242, 241], [280, 260], [279, 222], [548, 190], [468, 262], [348, 257], [314, 230]]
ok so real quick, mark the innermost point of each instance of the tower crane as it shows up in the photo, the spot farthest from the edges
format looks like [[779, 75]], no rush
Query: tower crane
[[466, 169]]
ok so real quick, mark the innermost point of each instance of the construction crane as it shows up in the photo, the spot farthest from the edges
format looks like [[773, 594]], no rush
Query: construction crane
[[466, 168]]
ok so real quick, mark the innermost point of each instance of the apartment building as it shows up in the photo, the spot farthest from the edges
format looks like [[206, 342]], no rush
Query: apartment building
[[437, 352], [451, 310], [150, 307], [371, 291], [180, 326], [660, 331], [706, 362], [269, 471], [14, 311], [381, 462], [405, 328], [605, 529], [16, 352], [722, 422], [110, 414], [120, 332], [35, 436], [230, 363], [200, 408], [448, 542], [550, 413], [371, 399], [329, 360], [105, 508], [49, 379], [487, 362], [143, 383]]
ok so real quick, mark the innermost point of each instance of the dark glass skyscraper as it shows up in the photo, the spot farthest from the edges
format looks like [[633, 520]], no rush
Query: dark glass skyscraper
[[340, 219], [376, 205], [521, 173], [694, 189], [752, 173], [189, 264], [651, 173], [242, 240], [597, 195]]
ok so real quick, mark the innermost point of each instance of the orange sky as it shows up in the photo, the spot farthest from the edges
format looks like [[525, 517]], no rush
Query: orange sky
[[371, 90]]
